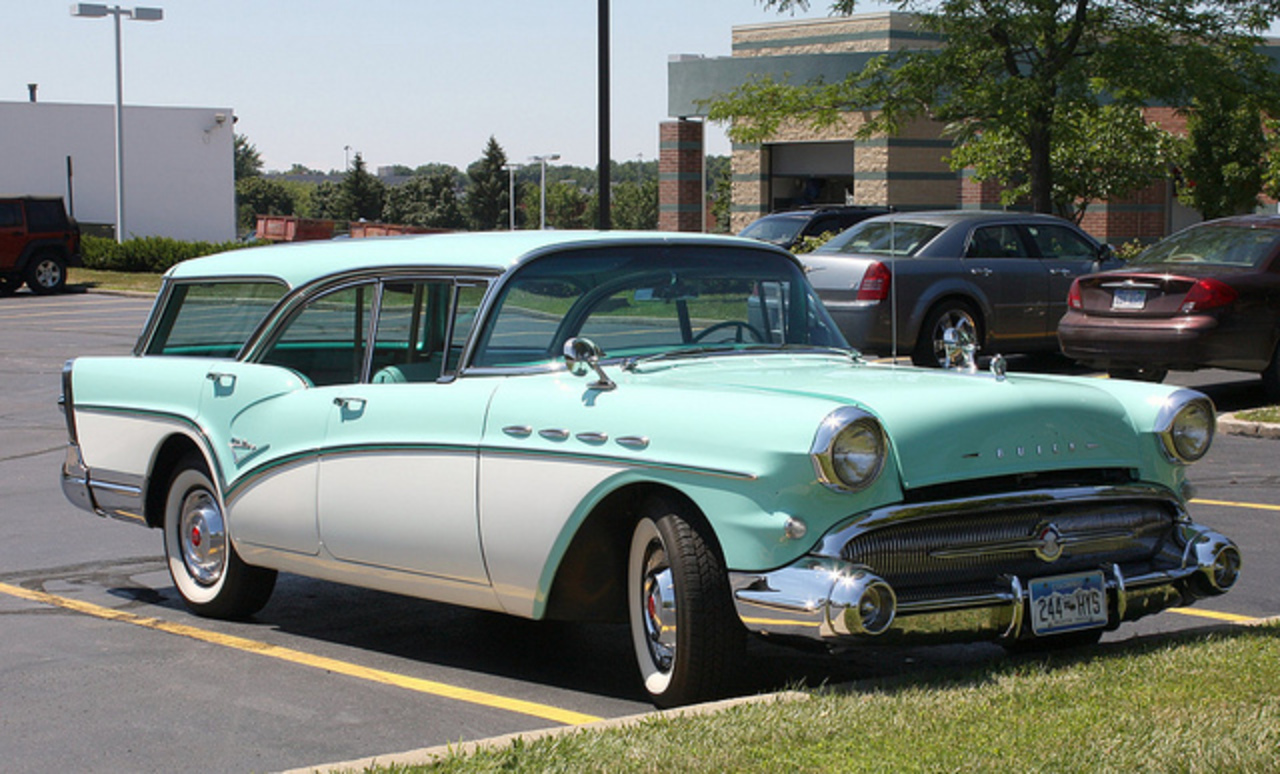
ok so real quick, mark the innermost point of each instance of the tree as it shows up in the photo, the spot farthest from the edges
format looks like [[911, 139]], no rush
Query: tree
[[425, 200], [635, 205], [1021, 68], [361, 193], [258, 195], [248, 162], [1222, 172], [488, 198], [1098, 155]]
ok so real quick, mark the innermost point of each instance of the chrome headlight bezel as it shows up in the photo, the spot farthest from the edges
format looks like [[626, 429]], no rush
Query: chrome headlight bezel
[[849, 450], [1186, 426]]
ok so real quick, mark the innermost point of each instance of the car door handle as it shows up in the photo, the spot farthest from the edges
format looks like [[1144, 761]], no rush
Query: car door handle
[[350, 404], [981, 271], [1060, 272]]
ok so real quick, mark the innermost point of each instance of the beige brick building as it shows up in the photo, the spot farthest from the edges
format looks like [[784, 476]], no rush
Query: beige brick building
[[801, 166]]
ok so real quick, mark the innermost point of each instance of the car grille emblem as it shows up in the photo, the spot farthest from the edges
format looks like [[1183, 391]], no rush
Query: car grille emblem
[[1050, 543]]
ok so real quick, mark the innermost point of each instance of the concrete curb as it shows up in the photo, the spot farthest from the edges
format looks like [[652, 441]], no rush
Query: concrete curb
[[1227, 423], [427, 755]]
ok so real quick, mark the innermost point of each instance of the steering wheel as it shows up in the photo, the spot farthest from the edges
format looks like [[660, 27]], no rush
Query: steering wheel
[[739, 325]]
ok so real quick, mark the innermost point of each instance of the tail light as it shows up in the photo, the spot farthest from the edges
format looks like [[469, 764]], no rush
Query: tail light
[[875, 283], [1074, 300], [1208, 294]]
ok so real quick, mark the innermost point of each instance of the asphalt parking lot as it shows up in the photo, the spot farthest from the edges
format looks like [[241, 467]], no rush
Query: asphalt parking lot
[[102, 669]]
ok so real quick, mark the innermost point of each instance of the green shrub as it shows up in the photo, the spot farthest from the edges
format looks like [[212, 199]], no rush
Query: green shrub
[[145, 254]]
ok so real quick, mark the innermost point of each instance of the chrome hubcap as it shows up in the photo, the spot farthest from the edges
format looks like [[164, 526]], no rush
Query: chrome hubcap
[[48, 273], [659, 608], [204, 538], [957, 321]]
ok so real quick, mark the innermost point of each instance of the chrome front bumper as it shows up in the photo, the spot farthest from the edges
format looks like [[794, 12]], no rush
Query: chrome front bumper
[[830, 600]]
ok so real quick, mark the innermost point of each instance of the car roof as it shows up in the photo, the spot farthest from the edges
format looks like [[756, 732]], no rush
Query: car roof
[[950, 217], [299, 263], [1251, 221]]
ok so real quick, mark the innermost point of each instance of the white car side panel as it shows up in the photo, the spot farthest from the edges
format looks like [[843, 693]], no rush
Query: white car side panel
[[121, 443], [409, 510], [278, 511], [525, 504]]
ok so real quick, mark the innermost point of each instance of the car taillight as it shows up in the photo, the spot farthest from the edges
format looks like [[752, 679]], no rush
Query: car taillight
[[875, 283], [1073, 296], [1208, 294]]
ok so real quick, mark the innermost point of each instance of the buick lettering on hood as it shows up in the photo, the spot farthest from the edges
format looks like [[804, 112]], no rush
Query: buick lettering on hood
[[660, 429]]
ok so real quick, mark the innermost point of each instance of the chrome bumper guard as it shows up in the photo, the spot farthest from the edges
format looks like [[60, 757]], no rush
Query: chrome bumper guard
[[116, 501], [829, 600]]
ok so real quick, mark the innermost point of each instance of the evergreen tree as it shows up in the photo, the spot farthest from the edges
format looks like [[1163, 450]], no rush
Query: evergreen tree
[[488, 199], [425, 200], [361, 193], [248, 162]]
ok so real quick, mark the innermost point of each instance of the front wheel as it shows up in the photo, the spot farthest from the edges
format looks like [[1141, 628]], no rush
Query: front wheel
[[204, 565], [47, 273], [688, 640]]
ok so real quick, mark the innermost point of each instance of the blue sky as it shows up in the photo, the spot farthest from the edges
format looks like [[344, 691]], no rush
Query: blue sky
[[402, 81]]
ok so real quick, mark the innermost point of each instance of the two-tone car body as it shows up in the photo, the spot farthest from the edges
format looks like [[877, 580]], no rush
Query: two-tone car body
[[662, 429]]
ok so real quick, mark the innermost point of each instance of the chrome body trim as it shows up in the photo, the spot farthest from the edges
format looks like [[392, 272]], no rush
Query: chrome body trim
[[119, 500]]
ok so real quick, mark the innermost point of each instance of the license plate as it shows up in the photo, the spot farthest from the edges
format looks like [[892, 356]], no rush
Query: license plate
[[1068, 603], [1128, 298]]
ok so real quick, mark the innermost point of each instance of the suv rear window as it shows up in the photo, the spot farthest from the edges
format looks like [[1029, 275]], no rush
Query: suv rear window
[[212, 319], [46, 216]]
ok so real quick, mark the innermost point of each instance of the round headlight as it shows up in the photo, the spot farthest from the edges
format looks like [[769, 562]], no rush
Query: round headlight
[[849, 450], [1188, 433]]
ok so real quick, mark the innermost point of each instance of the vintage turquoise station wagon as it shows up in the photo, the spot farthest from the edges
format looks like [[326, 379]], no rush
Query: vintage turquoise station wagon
[[657, 428]]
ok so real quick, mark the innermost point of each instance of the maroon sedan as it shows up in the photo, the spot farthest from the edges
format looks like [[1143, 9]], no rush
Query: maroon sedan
[[1205, 297]]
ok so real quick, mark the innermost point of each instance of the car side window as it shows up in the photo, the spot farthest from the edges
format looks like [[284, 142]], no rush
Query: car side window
[[412, 324], [10, 214], [996, 242], [326, 341], [1061, 243]]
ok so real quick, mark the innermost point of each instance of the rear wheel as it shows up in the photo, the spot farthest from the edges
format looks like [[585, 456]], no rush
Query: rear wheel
[[47, 273], [687, 638], [953, 314], [204, 565], [1153, 375]]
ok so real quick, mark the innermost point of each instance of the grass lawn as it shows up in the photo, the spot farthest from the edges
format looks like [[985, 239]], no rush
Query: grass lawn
[[78, 277], [1193, 703], [1264, 414]]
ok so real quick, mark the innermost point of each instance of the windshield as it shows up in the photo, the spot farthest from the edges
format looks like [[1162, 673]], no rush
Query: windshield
[[643, 301], [776, 229], [1224, 245], [883, 237]]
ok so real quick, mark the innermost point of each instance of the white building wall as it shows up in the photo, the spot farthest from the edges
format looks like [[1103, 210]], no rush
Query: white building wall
[[179, 165]]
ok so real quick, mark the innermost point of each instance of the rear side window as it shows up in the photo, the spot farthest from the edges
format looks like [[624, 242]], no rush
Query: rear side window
[[46, 216], [10, 214], [212, 319]]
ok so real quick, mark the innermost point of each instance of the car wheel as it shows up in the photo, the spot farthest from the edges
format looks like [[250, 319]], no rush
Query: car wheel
[[1153, 375], [47, 273], [1271, 376], [688, 640], [930, 351], [203, 563]]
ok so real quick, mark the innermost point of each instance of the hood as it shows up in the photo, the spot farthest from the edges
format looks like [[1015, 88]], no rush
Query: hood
[[943, 425]]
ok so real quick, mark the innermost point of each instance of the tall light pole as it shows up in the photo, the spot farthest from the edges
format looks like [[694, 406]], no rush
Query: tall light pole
[[511, 193], [97, 11], [542, 160]]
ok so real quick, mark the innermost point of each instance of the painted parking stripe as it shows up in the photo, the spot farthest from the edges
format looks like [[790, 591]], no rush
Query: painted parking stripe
[[1215, 615], [1230, 504], [542, 711]]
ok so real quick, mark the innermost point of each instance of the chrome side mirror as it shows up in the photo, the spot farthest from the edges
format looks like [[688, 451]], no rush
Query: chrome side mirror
[[581, 356]]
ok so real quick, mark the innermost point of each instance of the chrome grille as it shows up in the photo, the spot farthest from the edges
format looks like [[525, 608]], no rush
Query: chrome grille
[[980, 547]]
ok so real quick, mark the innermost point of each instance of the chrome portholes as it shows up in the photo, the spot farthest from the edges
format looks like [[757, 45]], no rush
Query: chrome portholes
[[203, 537]]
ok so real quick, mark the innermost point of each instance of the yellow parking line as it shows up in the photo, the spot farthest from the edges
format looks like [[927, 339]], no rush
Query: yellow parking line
[[1229, 504], [1215, 615], [542, 711]]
